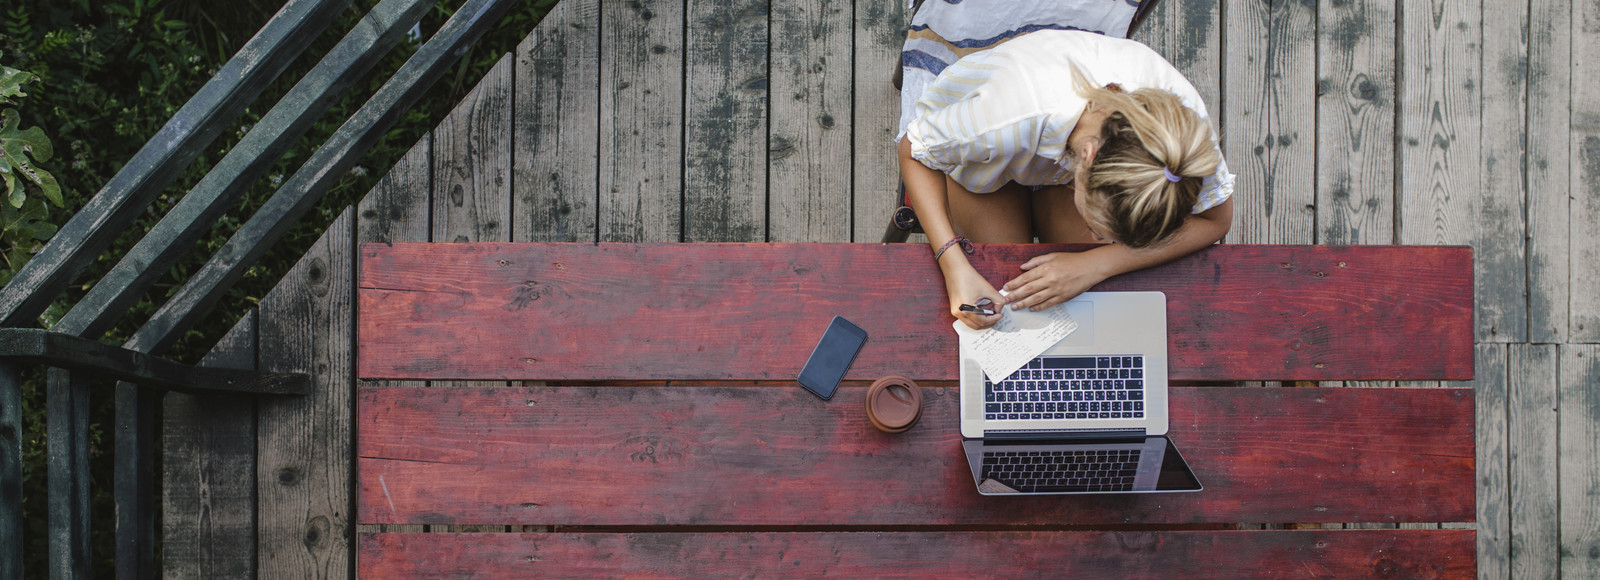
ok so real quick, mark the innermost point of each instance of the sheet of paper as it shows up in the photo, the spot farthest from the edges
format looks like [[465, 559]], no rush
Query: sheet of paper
[[1019, 336]]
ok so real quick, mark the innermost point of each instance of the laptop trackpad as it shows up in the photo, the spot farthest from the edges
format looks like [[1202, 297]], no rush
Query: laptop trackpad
[[1082, 312]]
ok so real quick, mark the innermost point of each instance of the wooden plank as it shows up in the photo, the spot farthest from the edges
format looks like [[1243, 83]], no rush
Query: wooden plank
[[133, 479], [472, 163], [812, 120], [880, 32], [303, 472], [1580, 479], [1502, 247], [1268, 119], [1584, 188], [11, 521], [641, 121], [397, 209], [712, 456], [1189, 35], [1531, 424], [67, 433], [1121, 555], [1440, 111], [1494, 460], [208, 493], [725, 121], [557, 110], [464, 311], [43, 347], [1550, 136], [1355, 122]]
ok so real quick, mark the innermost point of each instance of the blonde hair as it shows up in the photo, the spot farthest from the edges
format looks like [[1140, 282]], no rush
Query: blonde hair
[[1149, 134]]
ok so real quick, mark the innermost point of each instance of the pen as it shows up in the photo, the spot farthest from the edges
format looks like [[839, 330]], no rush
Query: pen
[[980, 308]]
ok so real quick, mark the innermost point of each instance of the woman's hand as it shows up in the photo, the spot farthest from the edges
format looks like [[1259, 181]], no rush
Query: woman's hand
[[1051, 279], [966, 286]]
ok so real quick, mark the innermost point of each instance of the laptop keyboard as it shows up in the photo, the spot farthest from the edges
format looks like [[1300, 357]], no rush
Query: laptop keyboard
[[1048, 471], [1069, 387]]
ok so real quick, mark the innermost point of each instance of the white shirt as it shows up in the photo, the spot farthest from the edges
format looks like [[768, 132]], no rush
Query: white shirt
[[1004, 114]]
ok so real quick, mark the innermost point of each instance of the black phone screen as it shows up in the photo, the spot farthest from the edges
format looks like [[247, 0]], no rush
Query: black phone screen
[[832, 357]]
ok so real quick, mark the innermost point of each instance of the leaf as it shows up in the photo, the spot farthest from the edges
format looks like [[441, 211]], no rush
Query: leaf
[[14, 195], [29, 222], [11, 81], [15, 149], [22, 231]]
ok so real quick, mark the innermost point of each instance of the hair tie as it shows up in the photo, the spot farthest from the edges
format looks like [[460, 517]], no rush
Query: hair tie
[[1171, 177]]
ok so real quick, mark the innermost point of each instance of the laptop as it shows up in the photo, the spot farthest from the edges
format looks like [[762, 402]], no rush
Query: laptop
[[1089, 416]]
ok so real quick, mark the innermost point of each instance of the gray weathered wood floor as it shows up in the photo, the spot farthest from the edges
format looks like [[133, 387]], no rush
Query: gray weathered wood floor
[[1349, 122]]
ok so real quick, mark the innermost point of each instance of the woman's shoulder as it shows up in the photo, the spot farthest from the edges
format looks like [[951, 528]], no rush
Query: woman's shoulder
[[1118, 60], [1079, 40]]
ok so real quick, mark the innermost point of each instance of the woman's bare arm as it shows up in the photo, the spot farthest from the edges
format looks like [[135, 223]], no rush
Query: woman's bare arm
[[1054, 278], [925, 192]]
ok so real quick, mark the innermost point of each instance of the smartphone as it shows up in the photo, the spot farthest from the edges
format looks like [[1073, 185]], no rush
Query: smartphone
[[832, 357]]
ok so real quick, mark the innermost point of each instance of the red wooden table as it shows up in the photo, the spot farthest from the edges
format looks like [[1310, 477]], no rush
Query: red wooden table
[[671, 441]]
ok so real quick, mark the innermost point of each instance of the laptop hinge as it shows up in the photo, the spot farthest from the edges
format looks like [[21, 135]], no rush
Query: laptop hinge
[[1037, 434]]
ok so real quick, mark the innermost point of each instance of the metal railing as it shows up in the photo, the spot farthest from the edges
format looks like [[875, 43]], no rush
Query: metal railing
[[71, 348]]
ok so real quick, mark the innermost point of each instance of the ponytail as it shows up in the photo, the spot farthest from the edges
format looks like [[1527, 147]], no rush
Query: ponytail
[[1153, 154]]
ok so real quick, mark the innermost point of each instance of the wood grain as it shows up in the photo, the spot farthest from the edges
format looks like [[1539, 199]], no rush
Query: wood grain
[[1268, 119], [1119, 555], [1439, 123], [208, 494], [1494, 460], [1584, 178], [725, 122], [753, 311], [472, 163], [555, 119], [712, 456], [1189, 35], [1355, 122], [880, 32], [1501, 247], [812, 96], [303, 470], [1531, 424], [397, 209], [641, 121], [1549, 141], [1579, 438]]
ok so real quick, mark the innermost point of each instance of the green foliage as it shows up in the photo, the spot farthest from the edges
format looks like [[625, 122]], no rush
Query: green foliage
[[24, 223], [16, 146], [23, 231]]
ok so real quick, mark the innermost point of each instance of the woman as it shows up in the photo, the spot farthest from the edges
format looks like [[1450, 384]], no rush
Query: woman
[[1071, 137]]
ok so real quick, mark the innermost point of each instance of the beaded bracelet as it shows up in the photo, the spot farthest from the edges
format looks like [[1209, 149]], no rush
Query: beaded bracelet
[[966, 246]]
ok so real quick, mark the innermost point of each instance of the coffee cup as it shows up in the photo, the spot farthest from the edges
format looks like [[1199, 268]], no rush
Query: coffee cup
[[894, 403]]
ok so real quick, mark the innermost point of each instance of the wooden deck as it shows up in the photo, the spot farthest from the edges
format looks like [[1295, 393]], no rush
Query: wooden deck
[[1356, 122]]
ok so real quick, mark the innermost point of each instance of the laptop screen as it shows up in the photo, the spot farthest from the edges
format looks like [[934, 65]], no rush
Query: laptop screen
[[1151, 465]]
